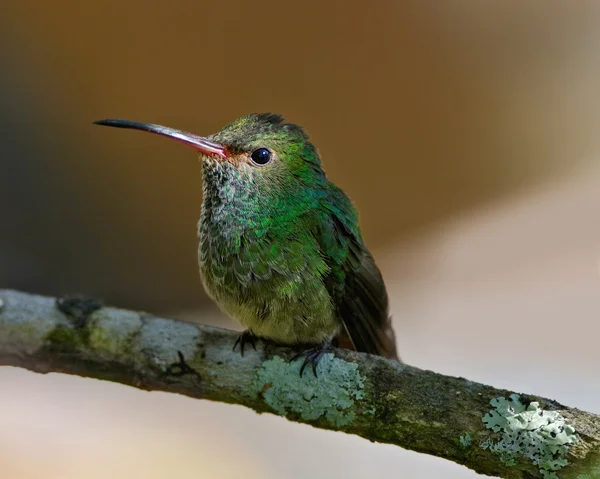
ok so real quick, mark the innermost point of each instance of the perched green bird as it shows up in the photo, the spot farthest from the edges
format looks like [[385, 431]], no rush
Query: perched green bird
[[280, 247]]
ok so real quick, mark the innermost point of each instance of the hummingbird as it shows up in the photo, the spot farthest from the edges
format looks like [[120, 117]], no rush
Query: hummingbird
[[280, 248]]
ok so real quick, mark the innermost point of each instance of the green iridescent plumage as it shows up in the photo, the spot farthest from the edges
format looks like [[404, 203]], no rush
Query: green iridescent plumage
[[280, 247]]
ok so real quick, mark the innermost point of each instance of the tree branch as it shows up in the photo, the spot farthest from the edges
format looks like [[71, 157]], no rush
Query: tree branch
[[489, 430]]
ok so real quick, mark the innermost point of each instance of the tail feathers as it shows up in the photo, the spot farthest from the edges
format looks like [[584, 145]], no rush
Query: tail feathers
[[386, 346]]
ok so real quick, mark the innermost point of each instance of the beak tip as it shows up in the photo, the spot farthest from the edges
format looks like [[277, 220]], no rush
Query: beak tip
[[106, 122]]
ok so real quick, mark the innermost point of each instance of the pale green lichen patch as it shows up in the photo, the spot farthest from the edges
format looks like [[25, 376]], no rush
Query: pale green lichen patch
[[465, 440], [112, 330], [332, 395], [541, 436], [162, 339]]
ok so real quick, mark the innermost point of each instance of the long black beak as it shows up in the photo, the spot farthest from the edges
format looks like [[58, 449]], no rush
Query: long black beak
[[198, 142]]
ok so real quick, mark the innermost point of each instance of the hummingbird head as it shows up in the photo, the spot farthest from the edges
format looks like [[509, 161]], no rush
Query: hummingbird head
[[258, 151], [262, 149]]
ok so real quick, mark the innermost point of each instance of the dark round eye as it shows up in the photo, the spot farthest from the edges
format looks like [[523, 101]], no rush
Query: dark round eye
[[261, 157]]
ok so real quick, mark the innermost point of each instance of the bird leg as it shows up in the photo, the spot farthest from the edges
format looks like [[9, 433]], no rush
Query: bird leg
[[245, 337]]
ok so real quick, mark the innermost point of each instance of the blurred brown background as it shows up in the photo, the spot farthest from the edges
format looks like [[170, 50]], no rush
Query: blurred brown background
[[465, 132]]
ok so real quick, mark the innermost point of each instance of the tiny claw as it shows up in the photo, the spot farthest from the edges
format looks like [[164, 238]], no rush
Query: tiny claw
[[243, 338], [312, 356]]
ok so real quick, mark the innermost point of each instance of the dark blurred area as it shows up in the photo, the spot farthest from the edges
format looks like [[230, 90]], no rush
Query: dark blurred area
[[420, 111]]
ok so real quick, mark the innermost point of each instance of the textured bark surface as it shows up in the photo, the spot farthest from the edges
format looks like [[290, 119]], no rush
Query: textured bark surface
[[355, 393]]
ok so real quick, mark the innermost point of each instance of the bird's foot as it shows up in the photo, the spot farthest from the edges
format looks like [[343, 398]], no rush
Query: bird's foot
[[312, 356], [181, 368], [245, 338]]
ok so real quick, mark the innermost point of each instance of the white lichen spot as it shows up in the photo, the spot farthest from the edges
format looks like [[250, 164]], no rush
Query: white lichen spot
[[26, 321], [528, 431]]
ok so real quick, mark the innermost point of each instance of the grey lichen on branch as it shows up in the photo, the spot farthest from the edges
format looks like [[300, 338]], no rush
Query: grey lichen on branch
[[383, 401]]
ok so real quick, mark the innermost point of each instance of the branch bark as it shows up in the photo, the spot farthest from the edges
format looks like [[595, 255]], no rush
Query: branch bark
[[491, 431]]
